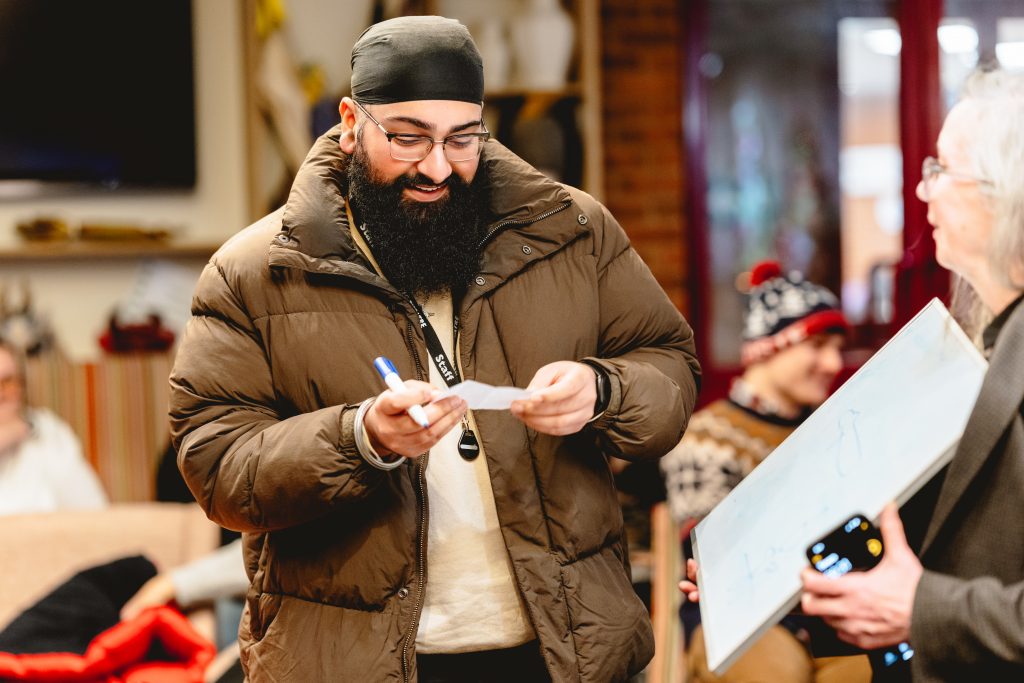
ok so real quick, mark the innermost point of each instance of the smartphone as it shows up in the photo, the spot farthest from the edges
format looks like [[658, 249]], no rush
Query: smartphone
[[856, 545]]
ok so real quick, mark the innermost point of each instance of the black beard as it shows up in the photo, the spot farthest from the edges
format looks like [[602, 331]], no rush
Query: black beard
[[421, 247]]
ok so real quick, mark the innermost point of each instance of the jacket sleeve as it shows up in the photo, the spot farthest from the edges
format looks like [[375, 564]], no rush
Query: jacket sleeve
[[647, 349], [250, 468], [964, 622]]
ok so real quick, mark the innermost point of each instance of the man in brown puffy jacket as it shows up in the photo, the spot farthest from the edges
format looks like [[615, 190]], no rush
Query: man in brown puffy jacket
[[407, 234]]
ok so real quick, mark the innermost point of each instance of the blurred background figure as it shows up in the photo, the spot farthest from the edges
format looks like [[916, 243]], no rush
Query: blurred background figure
[[793, 334], [217, 577], [214, 578], [41, 463]]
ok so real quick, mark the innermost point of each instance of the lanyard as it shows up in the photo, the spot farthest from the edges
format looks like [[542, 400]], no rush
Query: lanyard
[[449, 371], [468, 446]]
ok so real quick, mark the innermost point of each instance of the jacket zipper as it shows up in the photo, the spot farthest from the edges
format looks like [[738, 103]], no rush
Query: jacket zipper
[[523, 221], [422, 463], [420, 564], [411, 343], [421, 560]]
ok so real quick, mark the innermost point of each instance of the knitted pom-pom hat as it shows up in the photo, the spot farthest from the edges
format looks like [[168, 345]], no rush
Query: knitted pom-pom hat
[[783, 310]]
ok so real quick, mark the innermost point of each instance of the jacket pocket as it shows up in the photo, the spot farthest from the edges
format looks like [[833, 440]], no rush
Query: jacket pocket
[[610, 625]]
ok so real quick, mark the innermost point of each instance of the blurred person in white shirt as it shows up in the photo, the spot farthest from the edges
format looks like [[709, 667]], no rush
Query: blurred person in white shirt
[[41, 464]]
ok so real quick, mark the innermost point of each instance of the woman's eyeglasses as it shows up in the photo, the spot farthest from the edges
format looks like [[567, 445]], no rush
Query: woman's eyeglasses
[[932, 168]]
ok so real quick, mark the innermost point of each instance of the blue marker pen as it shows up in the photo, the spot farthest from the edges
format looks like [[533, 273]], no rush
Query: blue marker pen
[[387, 371]]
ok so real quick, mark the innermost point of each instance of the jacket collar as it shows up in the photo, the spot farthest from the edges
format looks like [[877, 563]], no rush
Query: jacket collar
[[999, 401], [315, 234]]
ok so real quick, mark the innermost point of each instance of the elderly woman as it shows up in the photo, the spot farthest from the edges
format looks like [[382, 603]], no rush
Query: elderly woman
[[960, 598], [41, 464]]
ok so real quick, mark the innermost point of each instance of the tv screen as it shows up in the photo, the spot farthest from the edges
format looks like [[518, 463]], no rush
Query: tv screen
[[97, 91]]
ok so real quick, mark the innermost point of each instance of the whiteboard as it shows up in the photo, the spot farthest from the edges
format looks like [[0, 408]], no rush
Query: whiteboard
[[879, 438]]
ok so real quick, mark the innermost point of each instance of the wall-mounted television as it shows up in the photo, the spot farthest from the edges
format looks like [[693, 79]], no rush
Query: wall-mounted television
[[96, 92]]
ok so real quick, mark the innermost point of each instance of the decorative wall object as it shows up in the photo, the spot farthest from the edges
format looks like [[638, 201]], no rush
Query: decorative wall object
[[494, 50], [543, 41]]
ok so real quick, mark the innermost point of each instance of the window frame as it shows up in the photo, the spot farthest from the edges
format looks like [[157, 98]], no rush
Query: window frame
[[919, 277]]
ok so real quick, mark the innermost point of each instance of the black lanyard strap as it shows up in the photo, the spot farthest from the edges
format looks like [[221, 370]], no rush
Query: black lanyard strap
[[449, 370], [468, 445]]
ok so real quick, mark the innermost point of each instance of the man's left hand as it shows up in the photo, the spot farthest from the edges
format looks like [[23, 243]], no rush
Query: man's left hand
[[869, 609], [564, 396]]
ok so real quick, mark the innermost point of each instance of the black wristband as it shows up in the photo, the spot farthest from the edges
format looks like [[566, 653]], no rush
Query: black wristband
[[603, 387]]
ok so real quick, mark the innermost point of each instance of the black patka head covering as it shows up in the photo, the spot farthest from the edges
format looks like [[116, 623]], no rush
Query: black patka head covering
[[416, 58]]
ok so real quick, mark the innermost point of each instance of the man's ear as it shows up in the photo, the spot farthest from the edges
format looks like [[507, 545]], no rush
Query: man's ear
[[347, 109]]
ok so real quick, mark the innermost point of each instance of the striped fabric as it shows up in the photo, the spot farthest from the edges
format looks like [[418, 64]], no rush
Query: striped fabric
[[117, 406]]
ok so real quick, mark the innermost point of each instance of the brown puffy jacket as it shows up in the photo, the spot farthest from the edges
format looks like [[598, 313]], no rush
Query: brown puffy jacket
[[288, 317]]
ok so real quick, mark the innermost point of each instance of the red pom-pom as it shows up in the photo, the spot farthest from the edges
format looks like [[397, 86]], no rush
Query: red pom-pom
[[764, 271]]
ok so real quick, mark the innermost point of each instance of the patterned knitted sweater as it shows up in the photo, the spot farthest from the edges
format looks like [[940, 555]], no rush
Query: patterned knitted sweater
[[724, 442]]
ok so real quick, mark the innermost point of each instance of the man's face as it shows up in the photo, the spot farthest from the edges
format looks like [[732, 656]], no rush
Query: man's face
[[804, 373], [425, 219], [427, 179]]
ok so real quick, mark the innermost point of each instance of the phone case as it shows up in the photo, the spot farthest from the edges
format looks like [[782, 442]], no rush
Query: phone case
[[854, 545]]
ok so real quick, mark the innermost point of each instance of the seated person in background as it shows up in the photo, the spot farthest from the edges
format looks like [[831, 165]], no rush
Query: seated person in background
[[42, 470], [216, 575], [792, 337], [41, 463]]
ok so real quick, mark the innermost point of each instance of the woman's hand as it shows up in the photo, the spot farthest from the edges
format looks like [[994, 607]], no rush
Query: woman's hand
[[869, 609]]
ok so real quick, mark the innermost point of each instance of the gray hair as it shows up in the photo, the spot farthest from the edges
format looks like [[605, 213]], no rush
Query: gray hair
[[997, 154]]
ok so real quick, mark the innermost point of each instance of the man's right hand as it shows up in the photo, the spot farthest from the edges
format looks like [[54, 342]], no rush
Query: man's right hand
[[392, 432]]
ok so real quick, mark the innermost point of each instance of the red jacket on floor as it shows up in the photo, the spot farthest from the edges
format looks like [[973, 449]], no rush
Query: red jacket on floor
[[118, 655]]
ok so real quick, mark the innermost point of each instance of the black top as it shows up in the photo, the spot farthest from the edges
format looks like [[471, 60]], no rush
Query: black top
[[988, 337]]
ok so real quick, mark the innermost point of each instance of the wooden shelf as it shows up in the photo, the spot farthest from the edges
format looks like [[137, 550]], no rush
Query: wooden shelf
[[93, 250]]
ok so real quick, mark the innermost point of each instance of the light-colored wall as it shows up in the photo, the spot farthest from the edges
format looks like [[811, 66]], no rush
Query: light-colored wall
[[322, 32], [78, 296]]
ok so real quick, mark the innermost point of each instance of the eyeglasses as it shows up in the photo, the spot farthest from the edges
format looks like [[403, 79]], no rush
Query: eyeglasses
[[931, 168], [415, 147]]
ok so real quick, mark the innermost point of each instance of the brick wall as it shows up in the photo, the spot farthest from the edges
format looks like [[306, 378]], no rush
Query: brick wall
[[642, 91]]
